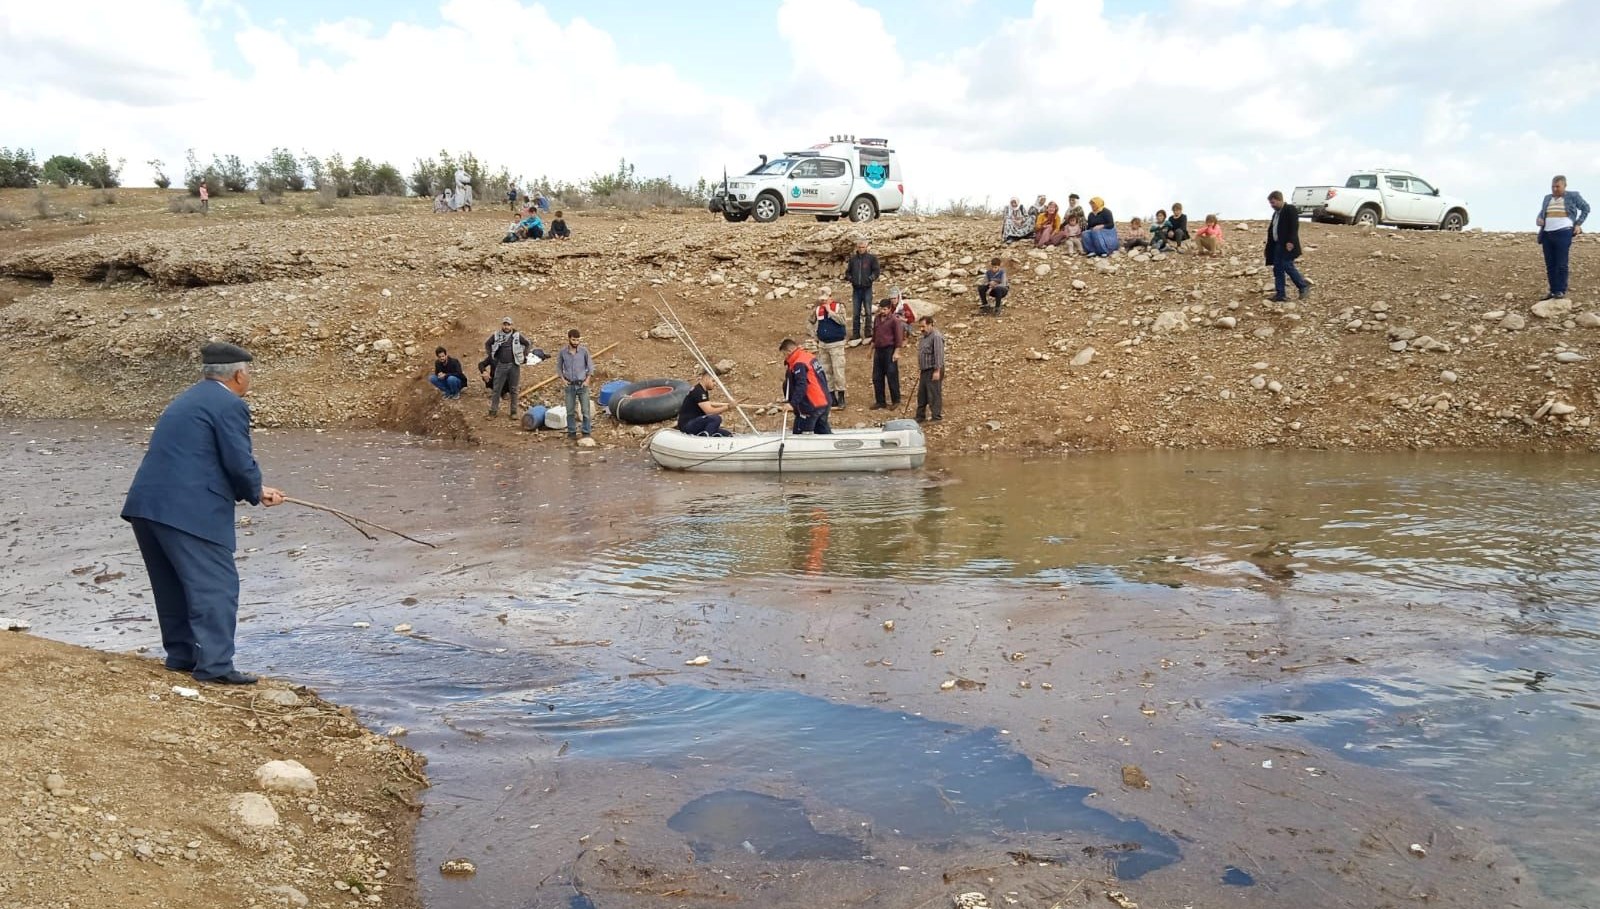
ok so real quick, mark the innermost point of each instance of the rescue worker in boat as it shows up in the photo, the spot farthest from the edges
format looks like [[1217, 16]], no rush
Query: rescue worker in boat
[[805, 389]]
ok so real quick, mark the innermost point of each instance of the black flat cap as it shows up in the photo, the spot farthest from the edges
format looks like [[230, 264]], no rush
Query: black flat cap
[[223, 352]]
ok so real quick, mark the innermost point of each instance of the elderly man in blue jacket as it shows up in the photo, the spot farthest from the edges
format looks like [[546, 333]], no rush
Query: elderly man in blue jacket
[[1561, 217], [199, 464]]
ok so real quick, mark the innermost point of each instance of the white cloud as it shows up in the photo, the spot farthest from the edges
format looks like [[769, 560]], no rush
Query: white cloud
[[1212, 102]]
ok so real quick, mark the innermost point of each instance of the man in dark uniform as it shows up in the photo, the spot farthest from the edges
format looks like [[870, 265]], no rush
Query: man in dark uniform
[[198, 465]]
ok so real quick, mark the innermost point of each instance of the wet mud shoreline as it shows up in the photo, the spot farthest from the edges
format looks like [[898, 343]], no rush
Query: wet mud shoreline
[[818, 754]]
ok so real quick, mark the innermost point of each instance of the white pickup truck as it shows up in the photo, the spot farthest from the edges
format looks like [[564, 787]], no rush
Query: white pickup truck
[[1374, 197]]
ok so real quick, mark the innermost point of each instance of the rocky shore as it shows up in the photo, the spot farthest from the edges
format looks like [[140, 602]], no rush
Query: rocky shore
[[1410, 339], [128, 786]]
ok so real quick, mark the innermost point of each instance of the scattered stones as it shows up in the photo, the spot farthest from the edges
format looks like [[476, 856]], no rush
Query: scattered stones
[[663, 332], [290, 777], [1561, 408], [1448, 377], [382, 345], [1042, 269], [1570, 356], [1083, 357], [253, 811], [282, 697], [1258, 382], [1588, 320], [1169, 321], [1513, 322], [1551, 309], [1264, 332], [724, 366], [1080, 284], [586, 442], [1226, 322], [287, 896]]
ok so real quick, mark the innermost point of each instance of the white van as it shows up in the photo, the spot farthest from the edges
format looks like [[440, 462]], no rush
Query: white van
[[843, 177]]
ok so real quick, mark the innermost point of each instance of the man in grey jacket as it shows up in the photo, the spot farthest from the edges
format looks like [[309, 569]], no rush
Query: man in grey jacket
[[506, 350], [930, 363], [576, 368]]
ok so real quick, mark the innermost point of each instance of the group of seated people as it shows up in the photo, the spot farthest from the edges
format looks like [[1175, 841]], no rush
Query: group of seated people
[[532, 227], [1095, 234]]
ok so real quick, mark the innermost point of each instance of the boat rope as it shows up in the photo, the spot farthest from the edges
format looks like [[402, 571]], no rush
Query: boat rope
[[676, 324]]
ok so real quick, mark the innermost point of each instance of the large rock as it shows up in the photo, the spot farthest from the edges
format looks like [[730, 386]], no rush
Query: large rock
[[286, 776], [1083, 357], [1169, 321], [664, 332], [1588, 320], [1513, 322], [253, 811], [1551, 309]]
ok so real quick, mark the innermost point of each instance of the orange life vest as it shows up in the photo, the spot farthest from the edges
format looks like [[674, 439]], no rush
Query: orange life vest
[[815, 395]]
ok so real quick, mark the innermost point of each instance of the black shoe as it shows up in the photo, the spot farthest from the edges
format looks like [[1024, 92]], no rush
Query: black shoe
[[1305, 292], [922, 418], [234, 677], [937, 417], [1277, 299], [878, 407], [178, 667]]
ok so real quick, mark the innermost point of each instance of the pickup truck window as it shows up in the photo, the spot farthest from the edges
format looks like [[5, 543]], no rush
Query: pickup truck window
[[1398, 184], [1420, 187], [807, 170], [831, 168], [1362, 181]]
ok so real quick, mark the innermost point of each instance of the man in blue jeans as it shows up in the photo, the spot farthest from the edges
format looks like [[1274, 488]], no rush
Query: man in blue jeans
[[1283, 247], [576, 368], [447, 375], [1560, 219]]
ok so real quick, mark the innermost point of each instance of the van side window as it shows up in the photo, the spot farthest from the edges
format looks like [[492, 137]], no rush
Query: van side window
[[1362, 181], [1398, 184], [831, 168]]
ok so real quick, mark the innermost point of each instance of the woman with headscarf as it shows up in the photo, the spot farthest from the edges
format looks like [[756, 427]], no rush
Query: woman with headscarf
[[1036, 207], [1100, 233], [1017, 224], [1046, 225]]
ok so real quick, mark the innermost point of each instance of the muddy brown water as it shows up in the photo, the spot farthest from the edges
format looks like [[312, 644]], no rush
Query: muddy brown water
[[1316, 660]]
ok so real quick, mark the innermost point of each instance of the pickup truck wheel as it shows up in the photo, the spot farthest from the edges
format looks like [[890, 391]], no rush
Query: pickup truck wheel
[[767, 208], [863, 209], [1454, 220], [736, 216], [1367, 216]]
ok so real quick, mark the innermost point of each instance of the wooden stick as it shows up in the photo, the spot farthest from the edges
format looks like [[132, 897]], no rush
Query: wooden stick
[[527, 393], [352, 520]]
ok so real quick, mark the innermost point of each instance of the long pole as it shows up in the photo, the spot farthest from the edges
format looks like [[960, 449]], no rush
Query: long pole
[[677, 325], [526, 393]]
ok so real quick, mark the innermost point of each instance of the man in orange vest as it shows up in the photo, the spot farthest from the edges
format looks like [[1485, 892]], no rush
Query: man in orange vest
[[805, 388]]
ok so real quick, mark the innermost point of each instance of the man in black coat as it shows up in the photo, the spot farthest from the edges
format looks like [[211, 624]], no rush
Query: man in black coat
[[1283, 247], [862, 271]]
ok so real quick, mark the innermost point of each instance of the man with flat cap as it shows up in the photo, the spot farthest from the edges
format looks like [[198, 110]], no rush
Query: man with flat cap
[[199, 464]]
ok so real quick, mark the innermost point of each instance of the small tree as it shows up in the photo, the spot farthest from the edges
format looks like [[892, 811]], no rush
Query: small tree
[[18, 170], [194, 174], [314, 170], [426, 179], [386, 180], [160, 167], [235, 176], [361, 177], [65, 170], [339, 176], [286, 170], [102, 174]]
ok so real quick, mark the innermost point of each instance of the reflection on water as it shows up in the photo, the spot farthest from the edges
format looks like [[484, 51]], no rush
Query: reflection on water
[[1389, 523]]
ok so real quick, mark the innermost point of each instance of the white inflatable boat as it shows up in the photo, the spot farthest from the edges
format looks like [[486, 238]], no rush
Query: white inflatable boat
[[898, 445]]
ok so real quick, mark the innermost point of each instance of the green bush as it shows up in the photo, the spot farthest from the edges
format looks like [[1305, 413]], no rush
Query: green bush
[[162, 181], [64, 170], [339, 176], [102, 174], [18, 170]]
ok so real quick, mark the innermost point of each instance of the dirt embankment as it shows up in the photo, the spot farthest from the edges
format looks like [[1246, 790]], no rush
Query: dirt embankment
[[119, 791], [1411, 339]]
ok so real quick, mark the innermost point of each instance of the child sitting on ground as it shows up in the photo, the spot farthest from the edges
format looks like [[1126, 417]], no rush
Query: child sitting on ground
[[558, 228], [1174, 230], [1210, 237], [529, 228], [1071, 234], [1158, 224], [1135, 235], [994, 286]]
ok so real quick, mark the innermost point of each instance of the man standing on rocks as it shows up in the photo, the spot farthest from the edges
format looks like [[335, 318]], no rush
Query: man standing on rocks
[[930, 361], [198, 465], [576, 368], [888, 336], [828, 326], [1283, 247], [862, 272], [508, 349], [1561, 218]]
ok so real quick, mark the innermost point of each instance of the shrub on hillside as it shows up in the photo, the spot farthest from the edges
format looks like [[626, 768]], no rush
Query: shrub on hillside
[[103, 197], [162, 181], [64, 170], [183, 205], [102, 174], [18, 170], [327, 194], [41, 204]]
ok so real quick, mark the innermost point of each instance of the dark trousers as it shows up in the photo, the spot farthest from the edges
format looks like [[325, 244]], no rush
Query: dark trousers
[[195, 584], [930, 395], [885, 374], [815, 422], [860, 308], [507, 378], [1283, 267], [704, 425], [987, 293], [1557, 249]]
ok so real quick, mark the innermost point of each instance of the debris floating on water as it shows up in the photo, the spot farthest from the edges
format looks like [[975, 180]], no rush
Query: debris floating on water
[[459, 866], [698, 661]]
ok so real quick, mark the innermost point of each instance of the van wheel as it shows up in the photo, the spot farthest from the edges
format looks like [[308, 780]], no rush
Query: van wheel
[[736, 216], [1455, 219], [767, 208], [827, 219], [1367, 217], [863, 209]]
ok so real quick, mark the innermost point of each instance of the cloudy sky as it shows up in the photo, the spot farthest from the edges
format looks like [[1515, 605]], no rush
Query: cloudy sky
[[1212, 102]]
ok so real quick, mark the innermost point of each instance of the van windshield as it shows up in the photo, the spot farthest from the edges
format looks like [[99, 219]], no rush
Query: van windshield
[[775, 168]]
